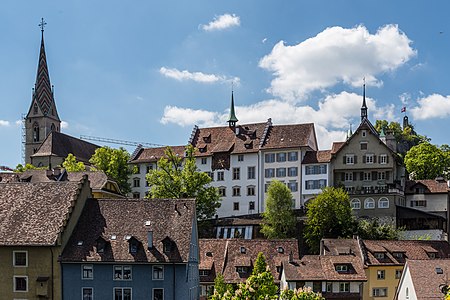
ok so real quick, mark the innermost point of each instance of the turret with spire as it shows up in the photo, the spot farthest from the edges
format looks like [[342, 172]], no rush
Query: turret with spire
[[232, 119], [364, 106], [42, 117]]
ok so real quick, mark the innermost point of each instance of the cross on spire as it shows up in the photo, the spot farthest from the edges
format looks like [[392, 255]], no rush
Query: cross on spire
[[42, 24]]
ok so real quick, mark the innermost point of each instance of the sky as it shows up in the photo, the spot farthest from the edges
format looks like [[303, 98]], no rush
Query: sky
[[148, 71]]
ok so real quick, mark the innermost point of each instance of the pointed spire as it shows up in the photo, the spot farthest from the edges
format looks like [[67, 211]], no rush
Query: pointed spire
[[232, 118], [364, 106], [349, 132]]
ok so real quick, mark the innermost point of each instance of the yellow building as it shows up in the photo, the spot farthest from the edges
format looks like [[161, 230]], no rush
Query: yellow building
[[385, 260], [36, 221]]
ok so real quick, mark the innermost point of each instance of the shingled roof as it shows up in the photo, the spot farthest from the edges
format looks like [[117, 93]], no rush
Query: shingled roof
[[431, 186], [150, 155], [60, 145], [34, 214], [223, 256], [291, 136], [117, 223], [314, 157]]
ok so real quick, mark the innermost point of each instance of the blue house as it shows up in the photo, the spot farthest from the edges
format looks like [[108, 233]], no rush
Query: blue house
[[133, 249]]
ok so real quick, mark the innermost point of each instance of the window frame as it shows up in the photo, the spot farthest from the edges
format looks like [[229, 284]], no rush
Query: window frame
[[236, 173], [349, 159], [91, 272], [291, 172], [355, 201], [344, 287], [381, 274], [251, 190], [281, 157], [236, 191], [240, 157], [159, 272], [383, 200], [220, 175], [122, 273], [251, 172], [292, 156], [15, 277], [367, 201], [269, 158], [15, 259], [376, 292], [122, 290], [153, 292], [235, 206], [87, 288]]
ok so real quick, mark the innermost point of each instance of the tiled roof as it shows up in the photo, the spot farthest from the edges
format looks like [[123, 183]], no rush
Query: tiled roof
[[97, 179], [226, 255], [290, 136], [147, 155], [410, 250], [430, 185], [308, 268], [314, 157], [336, 147], [35, 213], [127, 220], [426, 279], [6, 177], [60, 145]]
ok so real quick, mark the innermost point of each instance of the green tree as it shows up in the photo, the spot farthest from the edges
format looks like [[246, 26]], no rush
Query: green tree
[[426, 161], [221, 288], [72, 165], [329, 215], [300, 294], [260, 264], [372, 230], [177, 178], [278, 219], [21, 168], [114, 162]]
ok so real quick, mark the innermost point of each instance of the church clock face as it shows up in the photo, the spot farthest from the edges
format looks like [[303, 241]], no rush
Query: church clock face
[[221, 161]]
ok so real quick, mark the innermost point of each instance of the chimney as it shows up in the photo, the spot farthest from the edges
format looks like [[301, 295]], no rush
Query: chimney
[[150, 239], [322, 247], [291, 257]]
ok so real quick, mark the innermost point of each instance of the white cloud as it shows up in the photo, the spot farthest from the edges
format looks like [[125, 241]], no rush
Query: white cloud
[[432, 106], [64, 125], [189, 117], [336, 55], [222, 22], [196, 76], [18, 122], [4, 123]]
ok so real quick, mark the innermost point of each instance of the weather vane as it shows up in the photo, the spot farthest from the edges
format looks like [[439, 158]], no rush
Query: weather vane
[[42, 24]]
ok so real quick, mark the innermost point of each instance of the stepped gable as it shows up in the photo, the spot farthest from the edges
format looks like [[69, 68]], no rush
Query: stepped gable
[[314, 157], [60, 145], [150, 155], [239, 139], [115, 224], [430, 186], [291, 136], [34, 214]]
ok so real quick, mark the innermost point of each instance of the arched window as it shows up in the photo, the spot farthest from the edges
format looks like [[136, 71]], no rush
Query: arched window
[[383, 202], [369, 203], [36, 132], [355, 203], [35, 109]]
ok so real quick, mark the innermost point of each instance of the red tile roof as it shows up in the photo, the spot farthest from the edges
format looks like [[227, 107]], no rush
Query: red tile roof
[[314, 157], [150, 155], [430, 185], [291, 136]]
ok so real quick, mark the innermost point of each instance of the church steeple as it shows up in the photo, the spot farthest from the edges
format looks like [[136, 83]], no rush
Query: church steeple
[[42, 117], [364, 106], [232, 120]]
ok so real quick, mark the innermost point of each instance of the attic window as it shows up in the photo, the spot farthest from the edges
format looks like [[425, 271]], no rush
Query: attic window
[[241, 270], [439, 271], [341, 268], [113, 237], [209, 254], [243, 251], [248, 145], [167, 246], [432, 254], [207, 139], [202, 149], [379, 255], [280, 250], [80, 243], [398, 254], [147, 223], [203, 272], [133, 246]]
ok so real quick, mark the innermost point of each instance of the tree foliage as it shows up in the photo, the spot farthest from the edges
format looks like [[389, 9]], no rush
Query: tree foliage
[[427, 161], [72, 165], [300, 294], [373, 230], [21, 168], [278, 219], [114, 162], [329, 215], [177, 178]]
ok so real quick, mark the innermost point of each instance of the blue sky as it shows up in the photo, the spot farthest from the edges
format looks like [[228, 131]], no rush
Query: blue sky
[[149, 70]]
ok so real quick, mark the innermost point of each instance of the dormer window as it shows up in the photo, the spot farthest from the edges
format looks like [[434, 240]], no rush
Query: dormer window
[[207, 139], [397, 254], [243, 251], [341, 268], [167, 245], [379, 255], [241, 270], [280, 250], [432, 254], [202, 149], [133, 245], [203, 272]]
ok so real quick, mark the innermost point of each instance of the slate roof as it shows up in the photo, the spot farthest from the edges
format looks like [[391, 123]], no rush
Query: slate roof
[[60, 145], [34, 214], [149, 155], [224, 255], [410, 250], [314, 157], [126, 220], [431, 186], [426, 279]]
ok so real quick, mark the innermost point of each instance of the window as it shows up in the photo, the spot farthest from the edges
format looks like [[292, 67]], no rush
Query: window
[[293, 186], [363, 146], [397, 254], [20, 258], [281, 172], [36, 132], [369, 203], [158, 294], [379, 292], [236, 191], [383, 159], [309, 170], [329, 287], [269, 157], [419, 203], [122, 272], [293, 156], [136, 195], [158, 273], [20, 283], [204, 160], [251, 205], [323, 169], [251, 172], [369, 158], [87, 272], [367, 176], [250, 190], [122, 294], [381, 274], [309, 184], [382, 175], [241, 270], [236, 173], [379, 255], [383, 203], [136, 182], [344, 287], [87, 293], [341, 268], [203, 272], [292, 171], [349, 159], [363, 133], [269, 173], [281, 156], [149, 168], [235, 205], [355, 203], [398, 273], [348, 176], [240, 157], [220, 176], [222, 191]]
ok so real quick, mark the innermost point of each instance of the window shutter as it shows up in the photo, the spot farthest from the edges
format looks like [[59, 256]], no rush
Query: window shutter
[[387, 175], [364, 159], [361, 176], [374, 175], [342, 176], [374, 159], [345, 159], [356, 159]]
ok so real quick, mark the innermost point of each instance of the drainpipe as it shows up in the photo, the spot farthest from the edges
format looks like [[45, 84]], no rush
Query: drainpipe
[[53, 285], [173, 284]]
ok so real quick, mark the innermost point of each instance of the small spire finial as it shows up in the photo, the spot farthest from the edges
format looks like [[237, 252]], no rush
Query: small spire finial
[[42, 25]]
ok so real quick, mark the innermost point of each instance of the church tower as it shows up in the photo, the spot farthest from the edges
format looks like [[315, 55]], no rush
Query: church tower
[[232, 119], [42, 117], [364, 106]]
